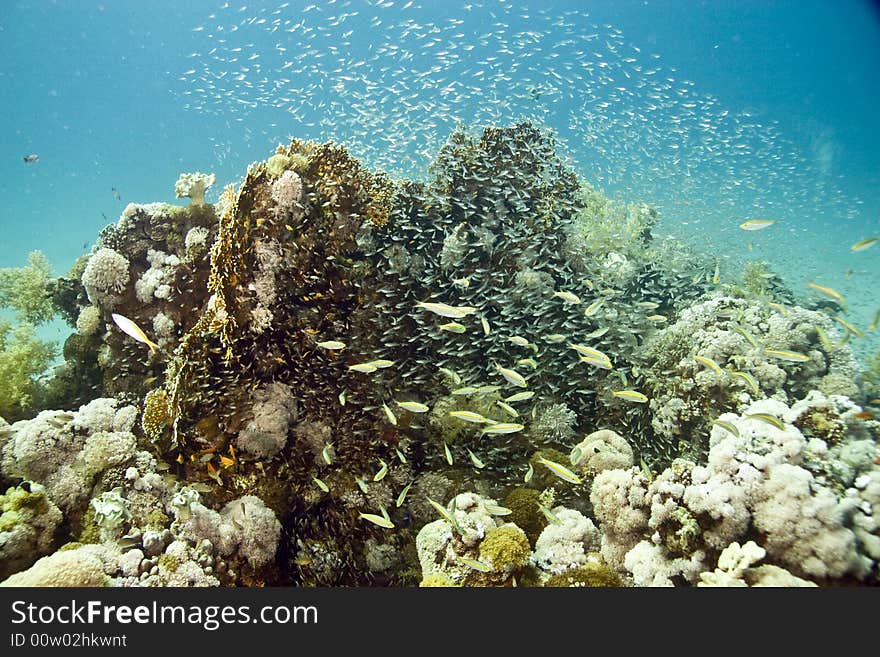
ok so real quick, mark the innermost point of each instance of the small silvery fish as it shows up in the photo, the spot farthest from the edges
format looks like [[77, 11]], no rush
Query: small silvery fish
[[133, 331], [335, 345], [413, 407], [560, 471]]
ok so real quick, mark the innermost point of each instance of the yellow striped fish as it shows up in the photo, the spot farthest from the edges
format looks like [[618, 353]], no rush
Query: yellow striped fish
[[790, 356], [631, 395], [560, 471], [711, 364]]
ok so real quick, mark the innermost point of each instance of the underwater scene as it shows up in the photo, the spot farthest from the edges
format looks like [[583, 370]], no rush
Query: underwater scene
[[439, 294]]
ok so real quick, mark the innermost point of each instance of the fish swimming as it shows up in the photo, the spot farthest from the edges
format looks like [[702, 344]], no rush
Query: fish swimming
[[134, 331]]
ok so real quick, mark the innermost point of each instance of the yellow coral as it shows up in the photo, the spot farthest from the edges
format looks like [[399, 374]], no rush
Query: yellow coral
[[156, 416]]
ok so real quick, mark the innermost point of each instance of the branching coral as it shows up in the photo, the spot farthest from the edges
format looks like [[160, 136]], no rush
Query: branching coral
[[23, 360], [25, 289]]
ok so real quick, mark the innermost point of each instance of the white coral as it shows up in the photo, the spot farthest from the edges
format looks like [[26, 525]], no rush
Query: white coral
[[194, 185], [567, 544], [105, 277], [287, 193]]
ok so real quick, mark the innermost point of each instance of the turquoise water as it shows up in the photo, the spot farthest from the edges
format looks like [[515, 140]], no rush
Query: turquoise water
[[713, 112]]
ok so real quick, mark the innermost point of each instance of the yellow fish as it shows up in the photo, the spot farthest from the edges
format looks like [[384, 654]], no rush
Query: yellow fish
[[757, 224], [560, 471], [784, 354], [711, 364], [413, 407], [332, 344], [377, 520], [512, 376], [631, 395], [861, 245], [444, 310], [134, 331], [827, 291]]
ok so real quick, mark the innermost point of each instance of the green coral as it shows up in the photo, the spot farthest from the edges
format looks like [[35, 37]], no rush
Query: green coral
[[525, 514], [605, 225], [168, 563], [25, 289], [506, 548], [593, 574], [681, 533], [23, 359], [21, 498]]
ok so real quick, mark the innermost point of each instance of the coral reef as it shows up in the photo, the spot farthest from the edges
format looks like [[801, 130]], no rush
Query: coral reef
[[495, 377]]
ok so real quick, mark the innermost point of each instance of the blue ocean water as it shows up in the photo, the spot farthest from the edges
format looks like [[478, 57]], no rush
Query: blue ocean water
[[715, 112]]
